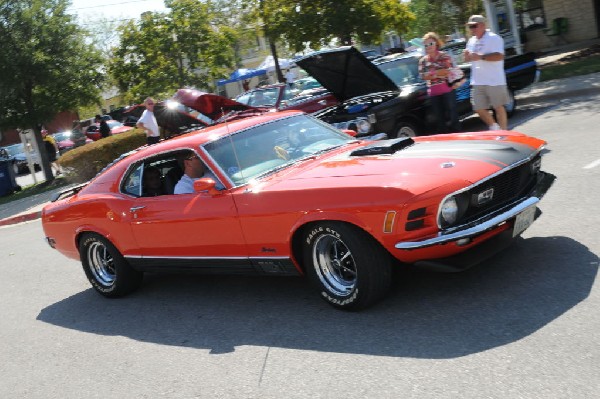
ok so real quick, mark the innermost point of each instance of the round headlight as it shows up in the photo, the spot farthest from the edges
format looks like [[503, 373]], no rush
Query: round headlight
[[363, 126], [448, 211]]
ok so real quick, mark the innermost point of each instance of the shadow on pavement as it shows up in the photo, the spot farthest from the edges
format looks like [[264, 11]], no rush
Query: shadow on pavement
[[427, 316]]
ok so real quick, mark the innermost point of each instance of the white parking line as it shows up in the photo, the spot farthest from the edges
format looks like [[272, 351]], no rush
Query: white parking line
[[592, 165]]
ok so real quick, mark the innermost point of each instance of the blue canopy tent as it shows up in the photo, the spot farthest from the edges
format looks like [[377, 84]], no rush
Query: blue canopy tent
[[241, 74]]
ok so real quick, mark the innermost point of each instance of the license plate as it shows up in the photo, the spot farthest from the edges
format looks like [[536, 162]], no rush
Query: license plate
[[524, 220]]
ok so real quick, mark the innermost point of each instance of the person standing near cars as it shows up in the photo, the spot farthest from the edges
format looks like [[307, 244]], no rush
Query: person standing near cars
[[290, 78], [51, 149], [104, 128], [485, 51], [434, 67], [148, 122]]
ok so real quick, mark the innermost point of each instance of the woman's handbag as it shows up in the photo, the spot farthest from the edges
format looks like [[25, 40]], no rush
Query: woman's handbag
[[456, 77]]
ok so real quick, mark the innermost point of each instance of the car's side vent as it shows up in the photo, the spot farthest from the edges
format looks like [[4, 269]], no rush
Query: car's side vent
[[384, 147], [416, 219]]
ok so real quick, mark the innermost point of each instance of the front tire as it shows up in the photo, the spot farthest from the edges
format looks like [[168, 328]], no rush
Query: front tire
[[106, 269], [349, 267], [406, 129]]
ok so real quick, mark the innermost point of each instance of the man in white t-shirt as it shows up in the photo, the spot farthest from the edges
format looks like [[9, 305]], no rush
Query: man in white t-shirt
[[485, 51], [193, 169], [290, 78], [148, 122]]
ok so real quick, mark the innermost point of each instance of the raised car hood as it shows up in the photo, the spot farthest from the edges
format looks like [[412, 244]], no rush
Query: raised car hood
[[346, 73], [211, 105], [173, 120], [418, 168]]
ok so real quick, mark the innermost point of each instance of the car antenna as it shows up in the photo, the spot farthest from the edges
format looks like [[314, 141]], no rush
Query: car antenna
[[237, 160]]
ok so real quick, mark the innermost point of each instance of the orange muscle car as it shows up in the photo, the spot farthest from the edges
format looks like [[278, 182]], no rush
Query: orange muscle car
[[286, 194]]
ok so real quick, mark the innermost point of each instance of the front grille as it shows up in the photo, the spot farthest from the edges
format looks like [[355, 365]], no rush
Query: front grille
[[507, 187]]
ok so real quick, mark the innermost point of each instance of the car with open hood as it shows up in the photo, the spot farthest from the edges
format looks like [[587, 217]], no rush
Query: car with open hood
[[282, 97], [289, 195], [388, 96]]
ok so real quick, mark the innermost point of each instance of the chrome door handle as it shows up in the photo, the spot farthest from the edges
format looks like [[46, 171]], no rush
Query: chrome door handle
[[134, 209]]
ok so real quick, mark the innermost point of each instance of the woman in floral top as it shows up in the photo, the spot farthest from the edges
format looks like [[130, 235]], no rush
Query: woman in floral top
[[434, 67]]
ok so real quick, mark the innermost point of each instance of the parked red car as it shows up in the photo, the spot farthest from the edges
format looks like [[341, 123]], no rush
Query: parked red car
[[67, 141], [291, 195], [116, 127]]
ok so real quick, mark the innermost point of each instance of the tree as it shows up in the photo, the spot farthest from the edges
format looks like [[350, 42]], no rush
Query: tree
[[442, 17], [315, 23], [45, 66], [186, 46]]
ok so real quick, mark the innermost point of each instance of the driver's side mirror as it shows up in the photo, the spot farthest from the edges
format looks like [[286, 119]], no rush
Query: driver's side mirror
[[206, 185]]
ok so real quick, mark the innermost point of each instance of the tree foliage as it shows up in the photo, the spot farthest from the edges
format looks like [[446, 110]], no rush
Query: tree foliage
[[443, 17], [186, 46], [315, 23], [45, 65]]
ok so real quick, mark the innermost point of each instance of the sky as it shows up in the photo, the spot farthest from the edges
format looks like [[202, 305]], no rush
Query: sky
[[114, 9]]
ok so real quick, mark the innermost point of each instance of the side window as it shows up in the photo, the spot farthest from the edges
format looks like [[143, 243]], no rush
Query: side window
[[132, 184]]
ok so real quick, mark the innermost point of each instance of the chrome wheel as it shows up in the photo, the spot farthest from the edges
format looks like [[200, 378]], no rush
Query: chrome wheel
[[334, 265], [101, 264], [406, 131]]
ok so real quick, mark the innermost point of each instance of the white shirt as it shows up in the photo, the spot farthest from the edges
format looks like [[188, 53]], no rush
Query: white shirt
[[490, 73], [186, 184], [150, 123], [290, 76]]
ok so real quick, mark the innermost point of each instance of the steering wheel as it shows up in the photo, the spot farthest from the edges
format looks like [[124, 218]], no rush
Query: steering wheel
[[282, 153]]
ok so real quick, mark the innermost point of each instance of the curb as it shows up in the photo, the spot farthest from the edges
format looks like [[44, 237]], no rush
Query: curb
[[24, 217]]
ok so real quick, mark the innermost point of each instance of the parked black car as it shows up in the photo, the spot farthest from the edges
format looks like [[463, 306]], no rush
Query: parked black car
[[16, 154], [387, 95]]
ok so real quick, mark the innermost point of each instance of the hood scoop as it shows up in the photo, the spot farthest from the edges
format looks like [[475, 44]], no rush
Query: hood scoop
[[384, 147]]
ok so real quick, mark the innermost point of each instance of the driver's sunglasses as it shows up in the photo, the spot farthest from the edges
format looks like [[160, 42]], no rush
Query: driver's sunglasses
[[473, 26]]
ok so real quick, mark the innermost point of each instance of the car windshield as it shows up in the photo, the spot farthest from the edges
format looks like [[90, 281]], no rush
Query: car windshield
[[62, 136], [113, 124], [260, 97], [403, 71], [259, 150]]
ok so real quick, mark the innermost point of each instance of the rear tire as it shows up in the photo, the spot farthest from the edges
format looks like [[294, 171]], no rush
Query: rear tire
[[511, 106], [350, 268], [106, 269]]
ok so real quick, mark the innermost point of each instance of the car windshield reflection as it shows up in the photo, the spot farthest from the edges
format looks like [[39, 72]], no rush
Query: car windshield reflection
[[263, 149]]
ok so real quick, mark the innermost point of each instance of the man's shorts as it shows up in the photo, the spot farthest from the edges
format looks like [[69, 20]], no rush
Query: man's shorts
[[485, 97]]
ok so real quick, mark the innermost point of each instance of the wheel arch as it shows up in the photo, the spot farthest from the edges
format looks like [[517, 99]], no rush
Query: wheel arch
[[418, 124], [309, 221], [82, 230]]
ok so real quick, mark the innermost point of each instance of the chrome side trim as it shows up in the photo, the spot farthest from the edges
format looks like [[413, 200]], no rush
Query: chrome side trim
[[209, 257], [472, 231]]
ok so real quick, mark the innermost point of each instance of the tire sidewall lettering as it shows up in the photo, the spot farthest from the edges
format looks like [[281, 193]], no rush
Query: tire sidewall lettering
[[316, 232], [340, 302]]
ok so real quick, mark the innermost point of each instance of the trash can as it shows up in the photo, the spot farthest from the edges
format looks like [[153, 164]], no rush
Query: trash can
[[8, 184]]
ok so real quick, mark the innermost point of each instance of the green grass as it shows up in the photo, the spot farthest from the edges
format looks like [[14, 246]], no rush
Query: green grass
[[34, 189], [567, 69]]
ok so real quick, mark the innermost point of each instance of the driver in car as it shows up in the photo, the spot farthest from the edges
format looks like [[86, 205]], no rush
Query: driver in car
[[193, 169]]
